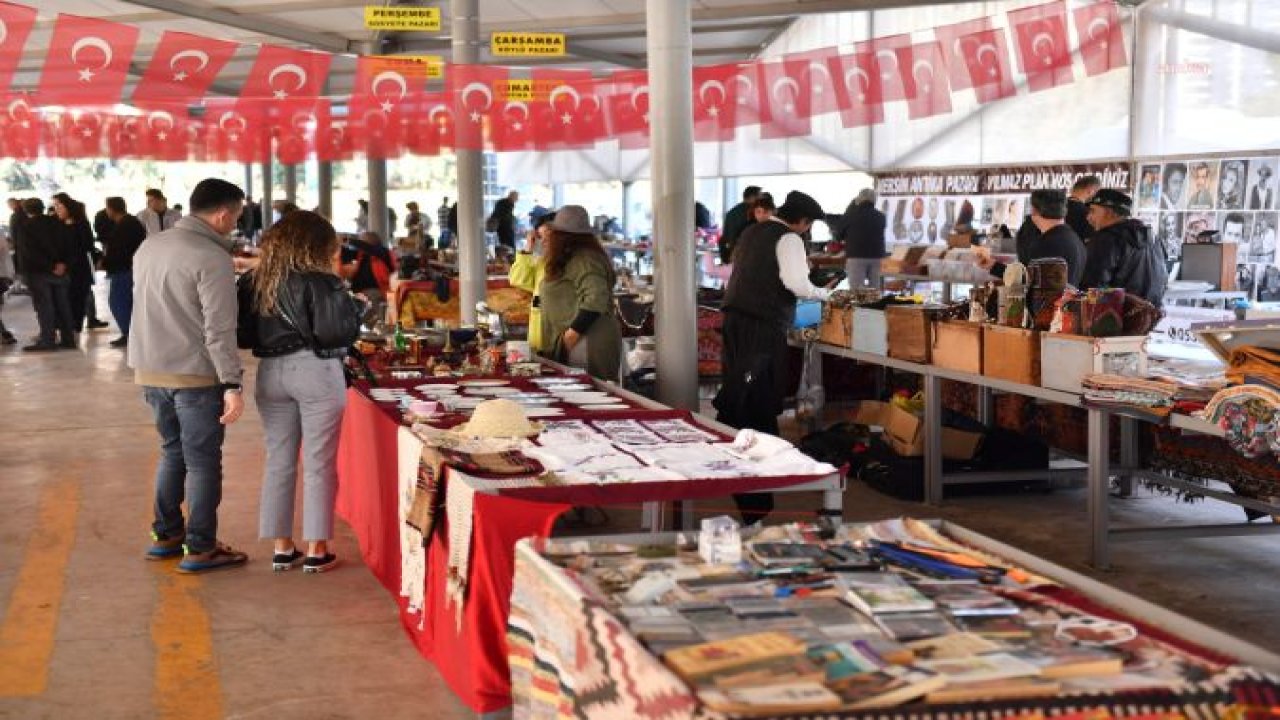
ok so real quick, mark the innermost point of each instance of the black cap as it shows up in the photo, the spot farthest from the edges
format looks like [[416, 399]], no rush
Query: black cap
[[1113, 199], [799, 205], [543, 219]]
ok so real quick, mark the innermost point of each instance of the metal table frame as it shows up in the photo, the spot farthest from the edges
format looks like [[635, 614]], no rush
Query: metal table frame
[[1099, 470]]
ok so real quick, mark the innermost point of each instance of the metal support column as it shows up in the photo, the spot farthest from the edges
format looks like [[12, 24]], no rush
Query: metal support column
[[932, 439], [557, 196], [1129, 452], [625, 220], [669, 40], [291, 184], [470, 241], [378, 220], [324, 189], [268, 185], [248, 179], [1099, 483]]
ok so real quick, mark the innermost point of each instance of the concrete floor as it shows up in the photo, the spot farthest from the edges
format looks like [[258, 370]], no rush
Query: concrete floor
[[89, 629]]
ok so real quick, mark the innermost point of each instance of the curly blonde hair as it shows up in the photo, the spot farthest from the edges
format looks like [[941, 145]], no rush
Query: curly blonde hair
[[301, 242]]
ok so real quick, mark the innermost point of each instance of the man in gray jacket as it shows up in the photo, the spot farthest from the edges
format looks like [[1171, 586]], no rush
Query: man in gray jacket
[[182, 348]]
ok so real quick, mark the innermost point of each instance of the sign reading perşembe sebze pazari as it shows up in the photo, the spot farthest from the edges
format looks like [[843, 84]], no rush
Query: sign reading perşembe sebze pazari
[[526, 44], [1002, 180], [396, 17]]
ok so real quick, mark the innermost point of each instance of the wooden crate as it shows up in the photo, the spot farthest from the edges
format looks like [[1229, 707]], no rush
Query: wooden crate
[[1011, 354], [910, 331], [1066, 359], [836, 327], [957, 345], [870, 333]]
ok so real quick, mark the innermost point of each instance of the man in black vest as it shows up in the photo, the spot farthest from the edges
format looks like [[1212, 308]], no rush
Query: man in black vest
[[770, 271]]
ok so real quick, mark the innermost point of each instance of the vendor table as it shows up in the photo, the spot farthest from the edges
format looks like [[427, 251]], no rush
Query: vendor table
[[471, 655], [1099, 471], [576, 659]]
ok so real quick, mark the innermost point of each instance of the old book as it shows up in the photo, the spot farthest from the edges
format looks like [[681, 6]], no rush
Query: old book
[[965, 600], [886, 687], [773, 671], [835, 619], [1011, 689], [981, 668], [953, 645], [698, 661], [1065, 661], [783, 553], [881, 592], [770, 699], [906, 627], [1001, 627]]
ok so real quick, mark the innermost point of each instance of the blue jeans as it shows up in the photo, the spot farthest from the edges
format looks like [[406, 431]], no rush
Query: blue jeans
[[120, 299], [190, 462], [49, 295]]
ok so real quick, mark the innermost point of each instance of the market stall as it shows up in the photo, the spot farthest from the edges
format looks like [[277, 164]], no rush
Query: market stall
[[894, 619]]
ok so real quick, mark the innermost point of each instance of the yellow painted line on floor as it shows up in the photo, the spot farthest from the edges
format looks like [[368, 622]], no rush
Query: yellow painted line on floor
[[28, 631], [187, 684]]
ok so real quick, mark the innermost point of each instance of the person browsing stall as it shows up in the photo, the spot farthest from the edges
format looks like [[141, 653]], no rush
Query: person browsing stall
[[738, 218], [1122, 252], [527, 272], [770, 272], [1077, 205], [1053, 237], [578, 326], [862, 233], [120, 244]]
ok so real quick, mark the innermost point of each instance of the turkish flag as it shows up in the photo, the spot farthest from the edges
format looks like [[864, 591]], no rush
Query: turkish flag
[[1101, 37], [77, 133], [333, 141], [434, 125], [715, 94], [476, 90], [628, 106], [784, 100], [181, 70], [279, 73], [811, 71], [19, 127], [954, 53], [859, 96], [892, 85], [124, 136], [986, 61], [236, 130], [924, 73], [1044, 52], [15, 25], [87, 62], [297, 122], [383, 95], [567, 109], [162, 133], [511, 127]]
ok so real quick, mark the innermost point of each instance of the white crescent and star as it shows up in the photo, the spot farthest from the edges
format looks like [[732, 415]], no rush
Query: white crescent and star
[[241, 124], [163, 132], [442, 124], [743, 93], [887, 69], [93, 41], [859, 86], [202, 61], [1106, 30], [916, 67], [477, 87], [1039, 39], [396, 79], [524, 113], [286, 69], [989, 49], [643, 90], [565, 90], [817, 68], [712, 110], [785, 82]]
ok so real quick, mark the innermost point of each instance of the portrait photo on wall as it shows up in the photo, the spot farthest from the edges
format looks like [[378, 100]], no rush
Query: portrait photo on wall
[[1246, 274], [1231, 184], [1173, 186], [1149, 187], [1202, 184], [1262, 237], [1168, 232], [1262, 184], [1236, 227], [1269, 284], [1195, 223]]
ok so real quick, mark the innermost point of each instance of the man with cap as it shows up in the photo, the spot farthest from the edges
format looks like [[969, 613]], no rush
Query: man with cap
[[770, 272], [736, 220], [1122, 252], [1052, 238], [1260, 196]]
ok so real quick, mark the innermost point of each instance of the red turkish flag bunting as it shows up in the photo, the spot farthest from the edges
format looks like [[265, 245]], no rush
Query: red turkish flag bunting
[[811, 71], [181, 70], [279, 73], [892, 85], [568, 109], [859, 97], [1101, 37], [163, 133], [236, 130], [87, 62], [15, 25], [924, 73], [954, 53], [1044, 52], [384, 95], [716, 89], [628, 106], [477, 91], [19, 127], [435, 125], [77, 133], [333, 141], [784, 100], [985, 55], [512, 126], [297, 122]]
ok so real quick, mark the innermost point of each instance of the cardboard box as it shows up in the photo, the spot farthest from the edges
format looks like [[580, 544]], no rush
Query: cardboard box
[[1066, 359], [910, 332], [957, 345], [837, 326], [870, 331], [960, 444], [1011, 354], [903, 432]]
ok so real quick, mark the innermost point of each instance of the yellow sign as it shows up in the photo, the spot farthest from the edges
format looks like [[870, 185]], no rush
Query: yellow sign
[[430, 67], [517, 44], [525, 90], [395, 17]]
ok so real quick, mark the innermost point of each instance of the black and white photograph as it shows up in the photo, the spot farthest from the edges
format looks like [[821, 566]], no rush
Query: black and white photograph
[[1269, 284], [1262, 238], [1195, 223], [1262, 183], [1168, 232], [1149, 187], [1202, 184], [1236, 228], [1245, 276], [1231, 184], [1173, 186]]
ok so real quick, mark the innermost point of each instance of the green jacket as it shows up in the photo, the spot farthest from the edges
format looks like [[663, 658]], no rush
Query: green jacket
[[526, 273], [587, 284]]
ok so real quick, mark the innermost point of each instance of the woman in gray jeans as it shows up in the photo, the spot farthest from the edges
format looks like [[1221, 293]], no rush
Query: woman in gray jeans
[[296, 314]]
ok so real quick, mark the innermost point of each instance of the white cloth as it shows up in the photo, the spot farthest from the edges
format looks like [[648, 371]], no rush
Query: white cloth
[[413, 557], [793, 267], [459, 503], [568, 457], [759, 446]]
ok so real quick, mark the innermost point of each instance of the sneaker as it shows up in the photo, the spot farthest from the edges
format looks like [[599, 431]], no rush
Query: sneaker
[[281, 562], [163, 548], [122, 341], [221, 556], [320, 564], [39, 347], [96, 324]]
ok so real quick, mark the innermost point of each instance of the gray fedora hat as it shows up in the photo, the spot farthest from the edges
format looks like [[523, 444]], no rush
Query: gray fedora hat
[[573, 219]]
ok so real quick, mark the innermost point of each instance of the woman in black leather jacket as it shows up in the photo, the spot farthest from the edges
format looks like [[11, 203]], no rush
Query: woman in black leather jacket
[[296, 314], [77, 233]]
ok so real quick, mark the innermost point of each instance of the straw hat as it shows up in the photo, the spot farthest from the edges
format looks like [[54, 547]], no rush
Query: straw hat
[[499, 418]]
